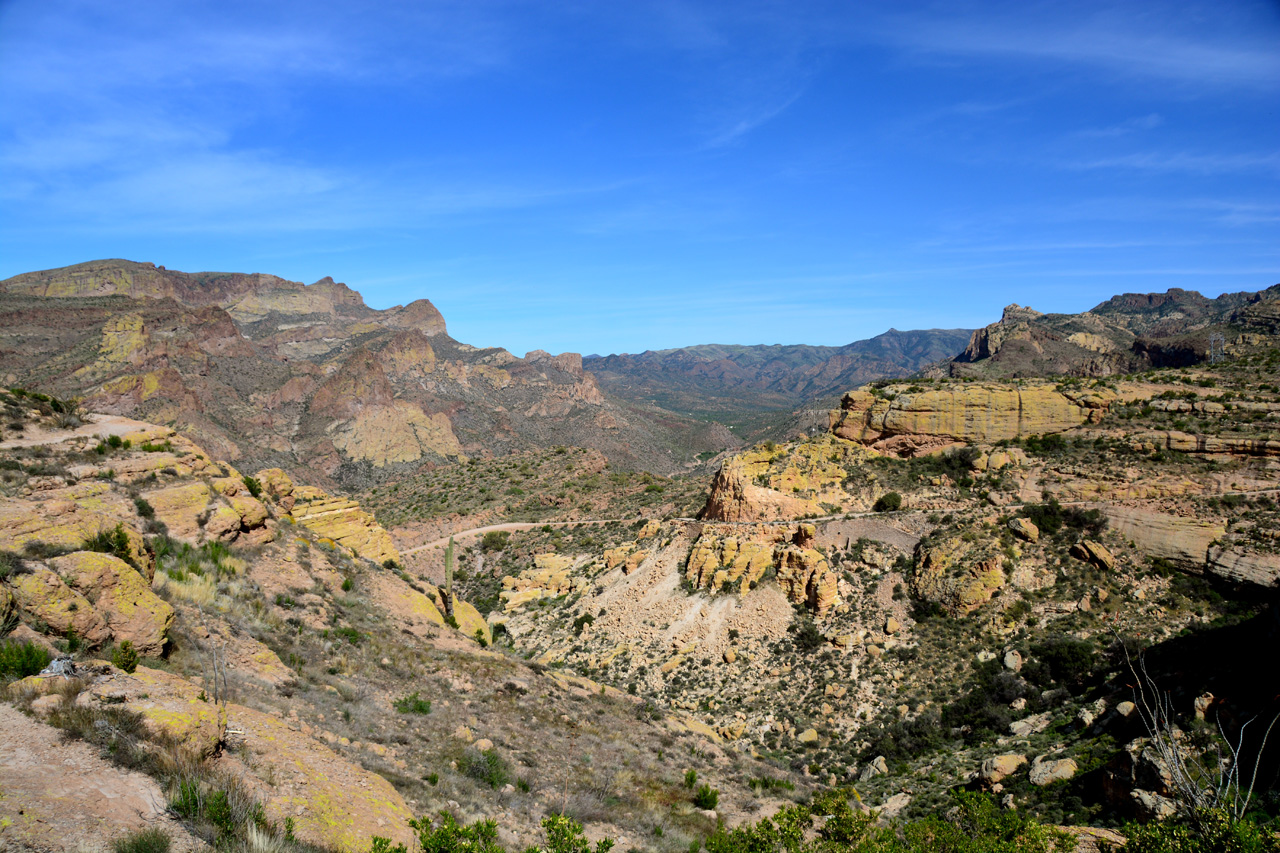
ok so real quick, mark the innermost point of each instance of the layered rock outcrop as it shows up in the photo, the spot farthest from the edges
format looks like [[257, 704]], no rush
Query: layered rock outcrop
[[338, 519], [907, 422]]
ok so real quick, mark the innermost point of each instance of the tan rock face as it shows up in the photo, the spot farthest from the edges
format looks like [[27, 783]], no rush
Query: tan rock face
[[1000, 767], [63, 523], [1046, 772], [963, 413], [719, 559], [783, 482], [338, 519], [1184, 541], [1243, 566], [121, 596], [169, 705]]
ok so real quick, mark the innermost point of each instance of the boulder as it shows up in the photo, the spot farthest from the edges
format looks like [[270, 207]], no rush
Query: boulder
[[123, 598], [999, 767], [1013, 660], [42, 595], [1094, 553], [878, 767], [1025, 529], [1047, 771], [808, 736], [169, 704]]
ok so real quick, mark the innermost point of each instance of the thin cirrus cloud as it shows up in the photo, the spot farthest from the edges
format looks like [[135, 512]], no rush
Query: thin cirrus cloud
[[1200, 164], [1135, 47]]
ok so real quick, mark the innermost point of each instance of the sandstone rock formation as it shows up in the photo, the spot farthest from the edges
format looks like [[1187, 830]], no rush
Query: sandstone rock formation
[[338, 519], [907, 422]]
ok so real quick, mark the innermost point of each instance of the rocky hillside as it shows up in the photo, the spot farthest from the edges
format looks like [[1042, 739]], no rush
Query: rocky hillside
[[268, 372], [247, 665], [736, 384], [948, 589], [1133, 331]]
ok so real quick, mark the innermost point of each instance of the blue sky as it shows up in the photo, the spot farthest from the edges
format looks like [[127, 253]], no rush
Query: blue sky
[[611, 177]]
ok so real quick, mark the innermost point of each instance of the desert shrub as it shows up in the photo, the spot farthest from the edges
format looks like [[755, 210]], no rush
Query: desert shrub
[[18, 660], [1052, 517], [808, 638], [495, 540], [254, 487], [143, 841], [888, 502], [125, 657], [413, 704], [488, 767], [114, 542], [690, 778], [1212, 832], [145, 510], [10, 564], [581, 622], [1065, 660], [706, 797]]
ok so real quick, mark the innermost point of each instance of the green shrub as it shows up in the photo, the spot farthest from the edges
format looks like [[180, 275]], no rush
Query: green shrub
[[254, 487], [495, 540], [808, 637], [145, 510], [125, 657], [114, 542], [888, 502], [413, 704], [18, 660], [143, 841], [487, 767], [706, 797], [690, 778]]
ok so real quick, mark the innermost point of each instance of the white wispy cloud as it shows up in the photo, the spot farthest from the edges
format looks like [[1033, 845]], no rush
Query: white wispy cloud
[[1143, 43], [1183, 161]]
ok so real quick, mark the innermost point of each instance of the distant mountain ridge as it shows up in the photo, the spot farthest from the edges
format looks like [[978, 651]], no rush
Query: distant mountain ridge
[[728, 379]]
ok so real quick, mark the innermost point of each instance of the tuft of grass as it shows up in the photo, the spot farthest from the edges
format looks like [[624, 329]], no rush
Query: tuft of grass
[[488, 767], [143, 841]]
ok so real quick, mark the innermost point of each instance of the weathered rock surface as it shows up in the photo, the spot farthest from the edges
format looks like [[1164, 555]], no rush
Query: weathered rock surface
[[45, 597], [1184, 541], [331, 800], [1024, 529], [962, 413], [1253, 567], [1094, 553], [61, 796], [951, 573], [169, 704], [1000, 767], [339, 519], [1047, 771], [121, 596]]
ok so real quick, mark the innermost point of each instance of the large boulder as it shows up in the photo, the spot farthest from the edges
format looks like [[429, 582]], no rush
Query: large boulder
[[123, 598], [1046, 771], [45, 597], [170, 706], [999, 767]]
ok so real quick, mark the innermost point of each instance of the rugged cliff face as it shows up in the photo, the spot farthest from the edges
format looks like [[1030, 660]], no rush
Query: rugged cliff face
[[274, 373], [1127, 333]]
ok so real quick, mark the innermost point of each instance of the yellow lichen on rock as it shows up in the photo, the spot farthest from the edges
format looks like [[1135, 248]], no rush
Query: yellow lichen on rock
[[338, 519], [63, 523], [169, 705], [123, 339], [951, 574], [121, 595], [44, 596]]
